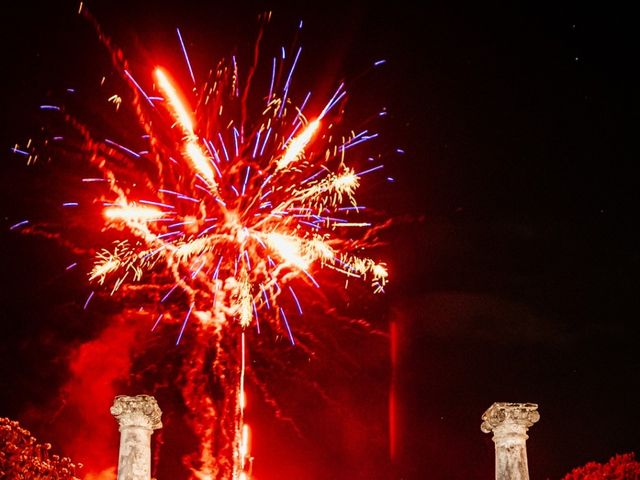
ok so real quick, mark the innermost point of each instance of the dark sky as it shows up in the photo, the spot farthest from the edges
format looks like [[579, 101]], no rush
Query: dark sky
[[514, 252]]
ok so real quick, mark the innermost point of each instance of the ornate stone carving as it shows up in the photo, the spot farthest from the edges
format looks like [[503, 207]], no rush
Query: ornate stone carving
[[509, 423], [139, 411], [138, 417], [501, 413]]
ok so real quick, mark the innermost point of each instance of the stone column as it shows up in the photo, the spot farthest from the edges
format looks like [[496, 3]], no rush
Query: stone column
[[138, 417], [509, 423]]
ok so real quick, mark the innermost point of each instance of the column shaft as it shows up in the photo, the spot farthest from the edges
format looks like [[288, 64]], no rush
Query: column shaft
[[134, 460]]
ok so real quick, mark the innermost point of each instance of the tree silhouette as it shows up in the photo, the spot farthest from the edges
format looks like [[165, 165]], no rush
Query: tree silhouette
[[619, 467], [22, 458]]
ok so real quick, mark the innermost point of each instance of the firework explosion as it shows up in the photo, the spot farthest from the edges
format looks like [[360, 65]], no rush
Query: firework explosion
[[224, 209]]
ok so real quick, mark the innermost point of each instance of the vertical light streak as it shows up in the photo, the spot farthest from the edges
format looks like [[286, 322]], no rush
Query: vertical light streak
[[192, 148], [86, 304], [139, 88], [295, 297], [393, 413], [243, 447], [184, 324], [177, 108], [296, 147], [273, 77], [286, 324], [200, 161], [337, 96], [186, 56]]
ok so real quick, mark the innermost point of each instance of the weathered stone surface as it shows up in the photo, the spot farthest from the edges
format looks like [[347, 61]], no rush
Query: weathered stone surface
[[509, 423], [137, 417]]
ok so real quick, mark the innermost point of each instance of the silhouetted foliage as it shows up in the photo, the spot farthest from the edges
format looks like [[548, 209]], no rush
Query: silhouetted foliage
[[619, 467], [22, 458]]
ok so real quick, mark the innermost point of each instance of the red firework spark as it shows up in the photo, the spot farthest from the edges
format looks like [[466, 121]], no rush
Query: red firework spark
[[227, 211]]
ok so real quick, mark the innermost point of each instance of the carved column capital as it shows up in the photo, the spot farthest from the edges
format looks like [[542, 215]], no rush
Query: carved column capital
[[139, 411], [514, 416]]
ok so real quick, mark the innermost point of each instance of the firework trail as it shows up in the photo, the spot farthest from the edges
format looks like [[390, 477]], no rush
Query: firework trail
[[224, 210]]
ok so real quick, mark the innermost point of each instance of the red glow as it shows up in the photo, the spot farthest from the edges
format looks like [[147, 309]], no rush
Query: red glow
[[83, 416], [220, 219], [393, 435]]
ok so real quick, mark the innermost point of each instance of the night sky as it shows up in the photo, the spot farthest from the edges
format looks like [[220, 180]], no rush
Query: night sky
[[514, 252]]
